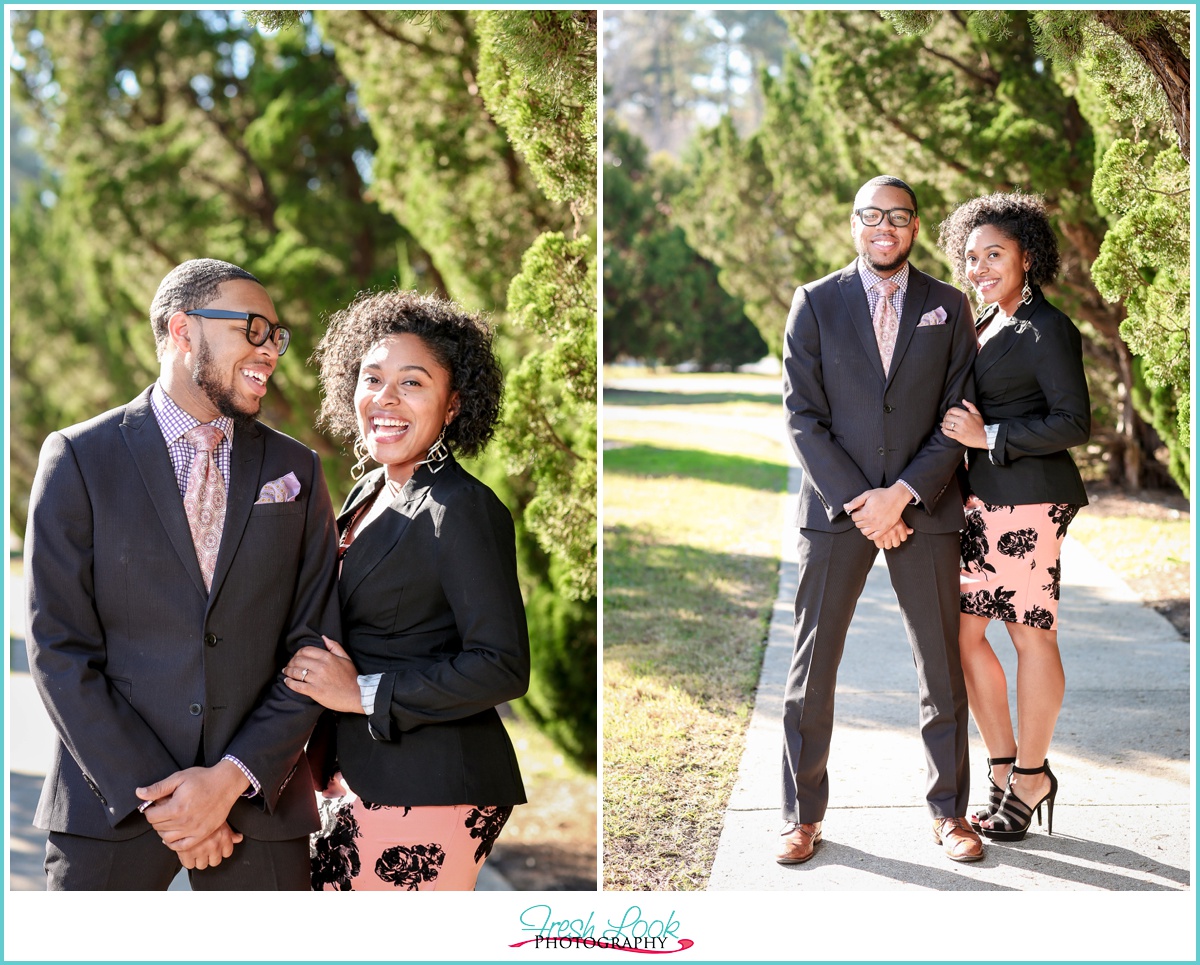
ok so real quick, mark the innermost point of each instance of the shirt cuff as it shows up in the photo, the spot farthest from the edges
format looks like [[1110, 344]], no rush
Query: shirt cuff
[[991, 432], [368, 686], [255, 788], [916, 500]]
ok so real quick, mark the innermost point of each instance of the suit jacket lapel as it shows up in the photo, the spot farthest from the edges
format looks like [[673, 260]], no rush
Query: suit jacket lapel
[[145, 441], [914, 305], [378, 539], [245, 466], [859, 312], [1003, 342]]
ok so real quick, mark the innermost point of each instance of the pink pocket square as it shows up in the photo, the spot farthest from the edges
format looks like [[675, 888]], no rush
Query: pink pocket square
[[282, 490], [936, 317]]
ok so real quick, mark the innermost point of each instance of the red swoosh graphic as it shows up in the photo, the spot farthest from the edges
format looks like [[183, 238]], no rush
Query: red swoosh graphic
[[684, 945]]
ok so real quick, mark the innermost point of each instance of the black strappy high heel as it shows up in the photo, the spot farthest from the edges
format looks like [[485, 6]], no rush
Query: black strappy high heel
[[1014, 816], [995, 793]]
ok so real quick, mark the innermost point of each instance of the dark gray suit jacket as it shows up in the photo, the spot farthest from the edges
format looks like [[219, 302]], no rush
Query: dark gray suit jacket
[[430, 599], [142, 671], [1029, 380], [854, 429]]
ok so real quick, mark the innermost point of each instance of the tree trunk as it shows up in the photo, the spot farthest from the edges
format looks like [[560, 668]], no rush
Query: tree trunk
[[1164, 59], [1127, 425]]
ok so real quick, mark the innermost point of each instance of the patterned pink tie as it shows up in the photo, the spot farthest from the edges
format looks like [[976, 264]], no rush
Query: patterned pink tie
[[204, 499], [885, 321]]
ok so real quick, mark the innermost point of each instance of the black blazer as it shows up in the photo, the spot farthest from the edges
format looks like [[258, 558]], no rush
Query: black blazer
[[430, 599], [144, 672], [1029, 380], [853, 428]]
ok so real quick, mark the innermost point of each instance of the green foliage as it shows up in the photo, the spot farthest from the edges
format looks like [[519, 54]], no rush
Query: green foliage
[[537, 77], [1138, 59], [551, 430], [1170, 414], [1144, 261], [767, 209], [443, 168], [662, 300]]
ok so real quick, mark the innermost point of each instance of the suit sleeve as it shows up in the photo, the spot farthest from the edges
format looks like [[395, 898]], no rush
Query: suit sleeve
[[270, 741], [832, 472], [933, 466], [477, 566], [1069, 418], [113, 746]]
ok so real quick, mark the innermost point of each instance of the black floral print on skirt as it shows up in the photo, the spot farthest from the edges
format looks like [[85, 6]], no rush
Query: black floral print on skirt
[[1007, 554], [365, 846]]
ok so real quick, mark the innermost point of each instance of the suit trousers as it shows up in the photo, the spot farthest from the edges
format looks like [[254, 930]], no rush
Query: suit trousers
[[833, 570], [144, 863]]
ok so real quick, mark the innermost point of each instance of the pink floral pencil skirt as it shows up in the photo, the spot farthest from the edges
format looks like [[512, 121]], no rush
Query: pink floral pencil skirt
[[378, 847], [1010, 561]]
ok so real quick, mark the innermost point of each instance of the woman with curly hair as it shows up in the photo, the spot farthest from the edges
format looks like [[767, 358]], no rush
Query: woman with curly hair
[[1022, 490], [416, 771]]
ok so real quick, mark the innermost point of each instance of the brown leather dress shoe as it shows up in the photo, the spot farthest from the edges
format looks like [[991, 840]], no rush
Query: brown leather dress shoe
[[798, 843], [957, 839]]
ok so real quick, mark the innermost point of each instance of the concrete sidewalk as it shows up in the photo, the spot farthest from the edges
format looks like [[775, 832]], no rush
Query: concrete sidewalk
[[1123, 816]]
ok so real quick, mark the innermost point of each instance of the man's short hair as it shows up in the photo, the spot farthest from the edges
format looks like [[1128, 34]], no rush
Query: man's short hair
[[888, 181], [190, 285]]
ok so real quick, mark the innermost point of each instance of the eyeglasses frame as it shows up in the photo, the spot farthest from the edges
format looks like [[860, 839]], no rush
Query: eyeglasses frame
[[248, 318], [885, 213]]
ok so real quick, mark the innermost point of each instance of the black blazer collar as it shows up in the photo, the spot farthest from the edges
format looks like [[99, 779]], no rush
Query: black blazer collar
[[377, 540], [1009, 337]]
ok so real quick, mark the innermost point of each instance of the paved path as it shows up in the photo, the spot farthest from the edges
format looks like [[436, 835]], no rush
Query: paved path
[[1122, 819]]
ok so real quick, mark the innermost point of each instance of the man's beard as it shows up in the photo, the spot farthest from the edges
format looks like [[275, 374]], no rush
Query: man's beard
[[898, 257], [204, 374]]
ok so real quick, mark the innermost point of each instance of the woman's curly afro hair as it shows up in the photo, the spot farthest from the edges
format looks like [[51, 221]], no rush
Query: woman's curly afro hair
[[1021, 217], [459, 340]]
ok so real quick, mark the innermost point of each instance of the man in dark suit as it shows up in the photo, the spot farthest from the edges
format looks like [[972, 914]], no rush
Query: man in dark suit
[[874, 355], [157, 633]]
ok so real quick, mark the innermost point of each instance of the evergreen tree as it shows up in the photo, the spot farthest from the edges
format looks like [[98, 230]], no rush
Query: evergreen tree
[[662, 300]]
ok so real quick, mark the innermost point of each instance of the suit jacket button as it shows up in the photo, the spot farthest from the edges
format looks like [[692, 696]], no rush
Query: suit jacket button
[[210, 639], [880, 450], [888, 408], [195, 710]]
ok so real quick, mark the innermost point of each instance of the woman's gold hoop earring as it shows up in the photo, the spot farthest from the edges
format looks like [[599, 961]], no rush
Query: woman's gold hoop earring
[[1026, 292], [360, 467]]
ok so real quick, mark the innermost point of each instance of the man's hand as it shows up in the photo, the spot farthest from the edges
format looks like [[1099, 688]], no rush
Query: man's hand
[[212, 850], [893, 537], [191, 804], [876, 513]]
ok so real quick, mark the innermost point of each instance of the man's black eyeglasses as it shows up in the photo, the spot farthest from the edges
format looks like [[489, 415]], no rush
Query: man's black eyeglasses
[[900, 217], [258, 327]]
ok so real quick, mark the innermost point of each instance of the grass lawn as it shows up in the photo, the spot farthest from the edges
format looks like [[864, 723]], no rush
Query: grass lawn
[[693, 516]]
